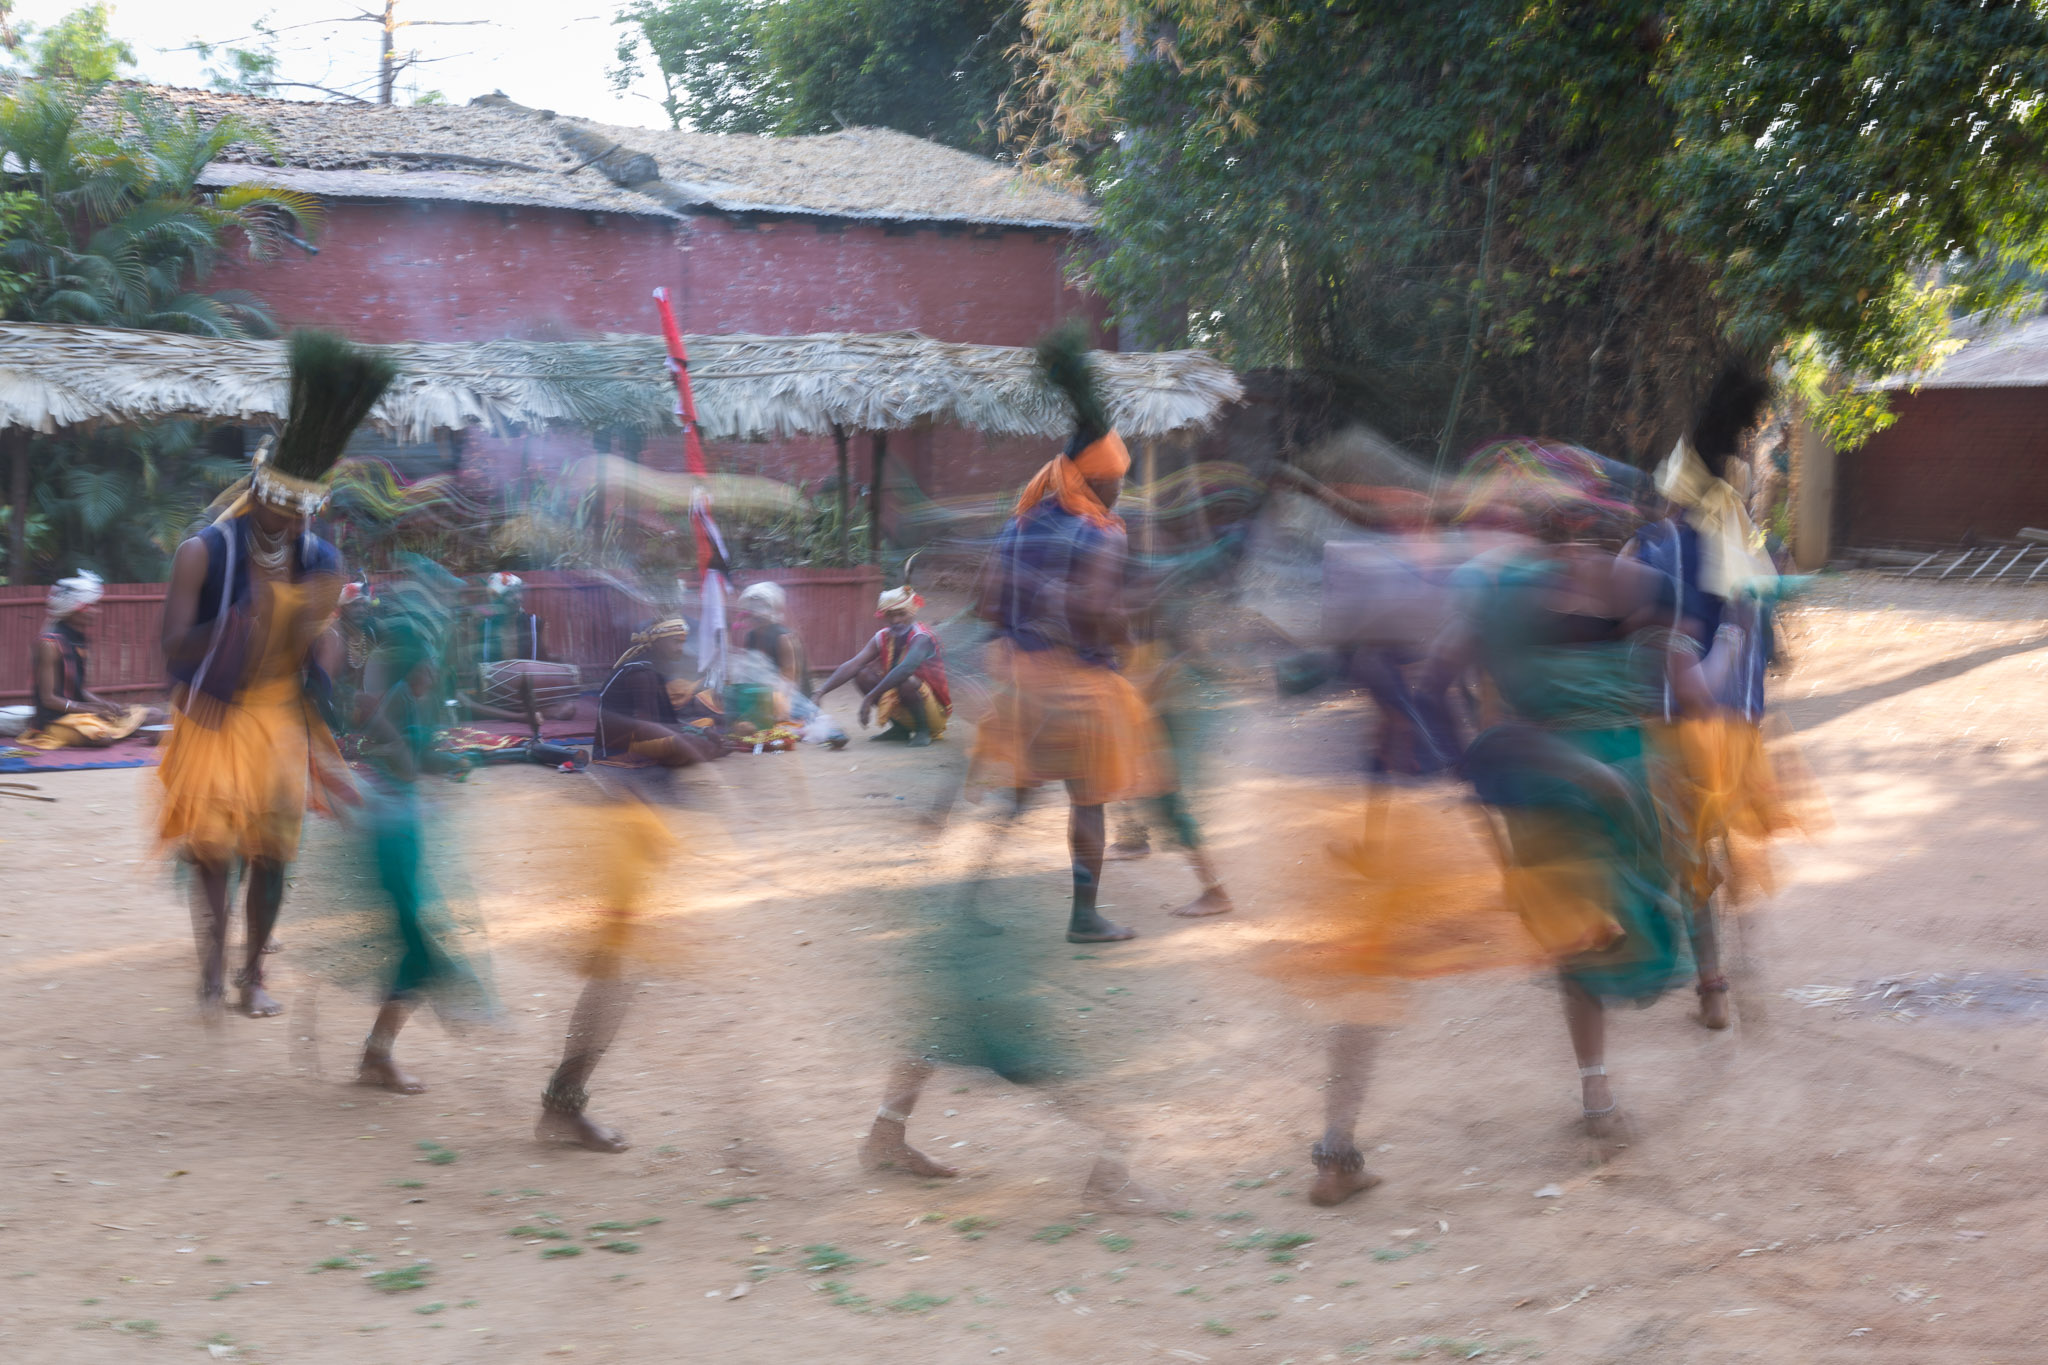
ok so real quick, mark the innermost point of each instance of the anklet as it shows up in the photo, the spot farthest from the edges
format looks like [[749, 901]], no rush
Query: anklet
[[1588, 1071], [564, 1101], [1350, 1160], [891, 1115]]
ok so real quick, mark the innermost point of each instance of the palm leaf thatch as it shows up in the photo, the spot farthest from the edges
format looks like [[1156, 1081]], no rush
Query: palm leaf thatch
[[747, 387]]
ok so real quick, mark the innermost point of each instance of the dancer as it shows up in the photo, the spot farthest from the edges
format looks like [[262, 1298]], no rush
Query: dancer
[[68, 713], [901, 674], [1574, 640], [652, 720], [1061, 711], [399, 748], [247, 597]]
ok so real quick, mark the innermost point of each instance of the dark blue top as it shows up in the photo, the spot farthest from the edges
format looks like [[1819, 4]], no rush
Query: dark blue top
[[1672, 547], [1038, 554]]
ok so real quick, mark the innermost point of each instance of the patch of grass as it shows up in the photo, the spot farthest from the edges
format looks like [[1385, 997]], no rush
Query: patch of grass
[[917, 1303], [530, 1230], [1450, 1346], [1282, 1278], [429, 1309], [347, 1260], [225, 1290], [1217, 1329], [823, 1258], [141, 1327], [88, 1302], [560, 1253], [632, 1226], [1056, 1232], [731, 1201], [437, 1155], [1357, 1348], [842, 1296], [1346, 1284], [1238, 1217], [1247, 1184], [1266, 1316], [216, 1260], [1181, 1215], [623, 1248], [1401, 1253], [400, 1279], [1115, 1241], [412, 1185], [973, 1226]]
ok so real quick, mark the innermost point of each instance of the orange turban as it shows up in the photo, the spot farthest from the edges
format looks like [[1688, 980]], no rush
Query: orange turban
[[1067, 480]]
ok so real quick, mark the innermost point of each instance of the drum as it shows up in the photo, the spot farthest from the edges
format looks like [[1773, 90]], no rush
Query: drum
[[503, 684]]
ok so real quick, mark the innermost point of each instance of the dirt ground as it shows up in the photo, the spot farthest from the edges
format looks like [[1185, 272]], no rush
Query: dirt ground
[[1819, 1184]]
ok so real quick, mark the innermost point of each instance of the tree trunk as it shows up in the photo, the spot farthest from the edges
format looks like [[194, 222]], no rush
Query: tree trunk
[[845, 498], [387, 54], [878, 443], [15, 443]]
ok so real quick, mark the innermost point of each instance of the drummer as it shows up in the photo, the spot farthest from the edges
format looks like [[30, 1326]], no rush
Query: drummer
[[506, 638]]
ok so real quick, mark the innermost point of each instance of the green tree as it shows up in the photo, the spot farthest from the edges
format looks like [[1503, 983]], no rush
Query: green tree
[[78, 47], [105, 223], [1550, 216], [933, 68]]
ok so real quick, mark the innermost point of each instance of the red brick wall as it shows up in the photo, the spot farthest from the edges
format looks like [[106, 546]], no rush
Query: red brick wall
[[1957, 462], [397, 271]]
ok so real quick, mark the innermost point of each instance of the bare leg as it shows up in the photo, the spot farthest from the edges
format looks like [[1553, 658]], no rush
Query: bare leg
[[887, 1146], [1084, 839], [260, 907], [591, 1030], [1706, 951], [1587, 1020], [1340, 1166], [377, 1066], [210, 933]]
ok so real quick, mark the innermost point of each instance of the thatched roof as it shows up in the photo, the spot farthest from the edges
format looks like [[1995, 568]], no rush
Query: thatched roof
[[496, 152], [747, 387]]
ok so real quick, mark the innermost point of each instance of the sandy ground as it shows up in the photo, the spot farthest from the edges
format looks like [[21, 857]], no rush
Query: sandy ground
[[1817, 1185]]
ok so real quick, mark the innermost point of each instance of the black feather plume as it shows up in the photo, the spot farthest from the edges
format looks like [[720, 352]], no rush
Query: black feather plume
[[1063, 359], [334, 386], [1731, 407]]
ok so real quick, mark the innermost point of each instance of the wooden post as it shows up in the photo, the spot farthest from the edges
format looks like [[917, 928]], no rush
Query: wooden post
[[1148, 470], [878, 446], [845, 498], [15, 442]]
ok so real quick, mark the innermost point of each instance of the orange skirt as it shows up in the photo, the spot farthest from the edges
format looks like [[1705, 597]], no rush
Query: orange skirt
[[1390, 885], [634, 845], [241, 790], [1727, 795], [1053, 718]]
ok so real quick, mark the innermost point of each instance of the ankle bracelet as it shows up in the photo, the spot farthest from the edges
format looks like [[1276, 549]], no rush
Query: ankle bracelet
[[560, 1100], [891, 1115]]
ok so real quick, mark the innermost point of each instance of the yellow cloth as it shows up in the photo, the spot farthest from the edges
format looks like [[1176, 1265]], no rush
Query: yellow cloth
[[1728, 796], [896, 707], [636, 846], [1056, 719], [1732, 554], [83, 729], [241, 789]]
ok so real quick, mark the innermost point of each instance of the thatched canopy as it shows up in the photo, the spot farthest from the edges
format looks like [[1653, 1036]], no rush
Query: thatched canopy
[[747, 387]]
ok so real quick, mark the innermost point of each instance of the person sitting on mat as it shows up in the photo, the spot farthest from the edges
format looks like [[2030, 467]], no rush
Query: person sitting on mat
[[68, 713]]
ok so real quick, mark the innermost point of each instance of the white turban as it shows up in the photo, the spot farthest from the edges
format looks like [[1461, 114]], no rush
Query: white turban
[[70, 594], [766, 600], [502, 583]]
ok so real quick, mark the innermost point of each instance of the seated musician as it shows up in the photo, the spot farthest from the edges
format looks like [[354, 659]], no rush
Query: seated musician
[[901, 673], [68, 713], [513, 680], [652, 709]]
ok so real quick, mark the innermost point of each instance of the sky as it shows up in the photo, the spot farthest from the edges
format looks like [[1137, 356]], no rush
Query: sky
[[551, 54]]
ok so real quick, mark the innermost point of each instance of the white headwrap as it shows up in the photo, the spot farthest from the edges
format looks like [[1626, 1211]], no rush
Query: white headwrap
[[502, 583], [765, 599], [1732, 556], [81, 590]]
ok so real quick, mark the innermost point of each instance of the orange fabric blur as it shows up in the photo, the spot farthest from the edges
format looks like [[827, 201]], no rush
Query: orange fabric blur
[[1056, 719], [1067, 480], [1731, 795]]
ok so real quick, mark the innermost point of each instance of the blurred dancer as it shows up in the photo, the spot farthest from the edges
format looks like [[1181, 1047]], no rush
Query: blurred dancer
[[771, 635], [901, 674], [247, 597], [1721, 788], [652, 720], [68, 713], [1053, 591], [399, 748]]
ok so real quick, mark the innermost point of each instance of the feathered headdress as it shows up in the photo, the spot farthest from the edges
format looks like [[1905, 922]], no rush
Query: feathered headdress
[[334, 386], [1095, 447]]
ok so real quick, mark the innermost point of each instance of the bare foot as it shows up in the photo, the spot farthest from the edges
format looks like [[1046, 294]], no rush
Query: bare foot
[[257, 1004], [274, 945], [1340, 1173], [1606, 1125], [885, 1148], [385, 1074], [579, 1131], [213, 1007], [1714, 1003], [1111, 1189], [1093, 928], [1126, 853], [1214, 901]]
